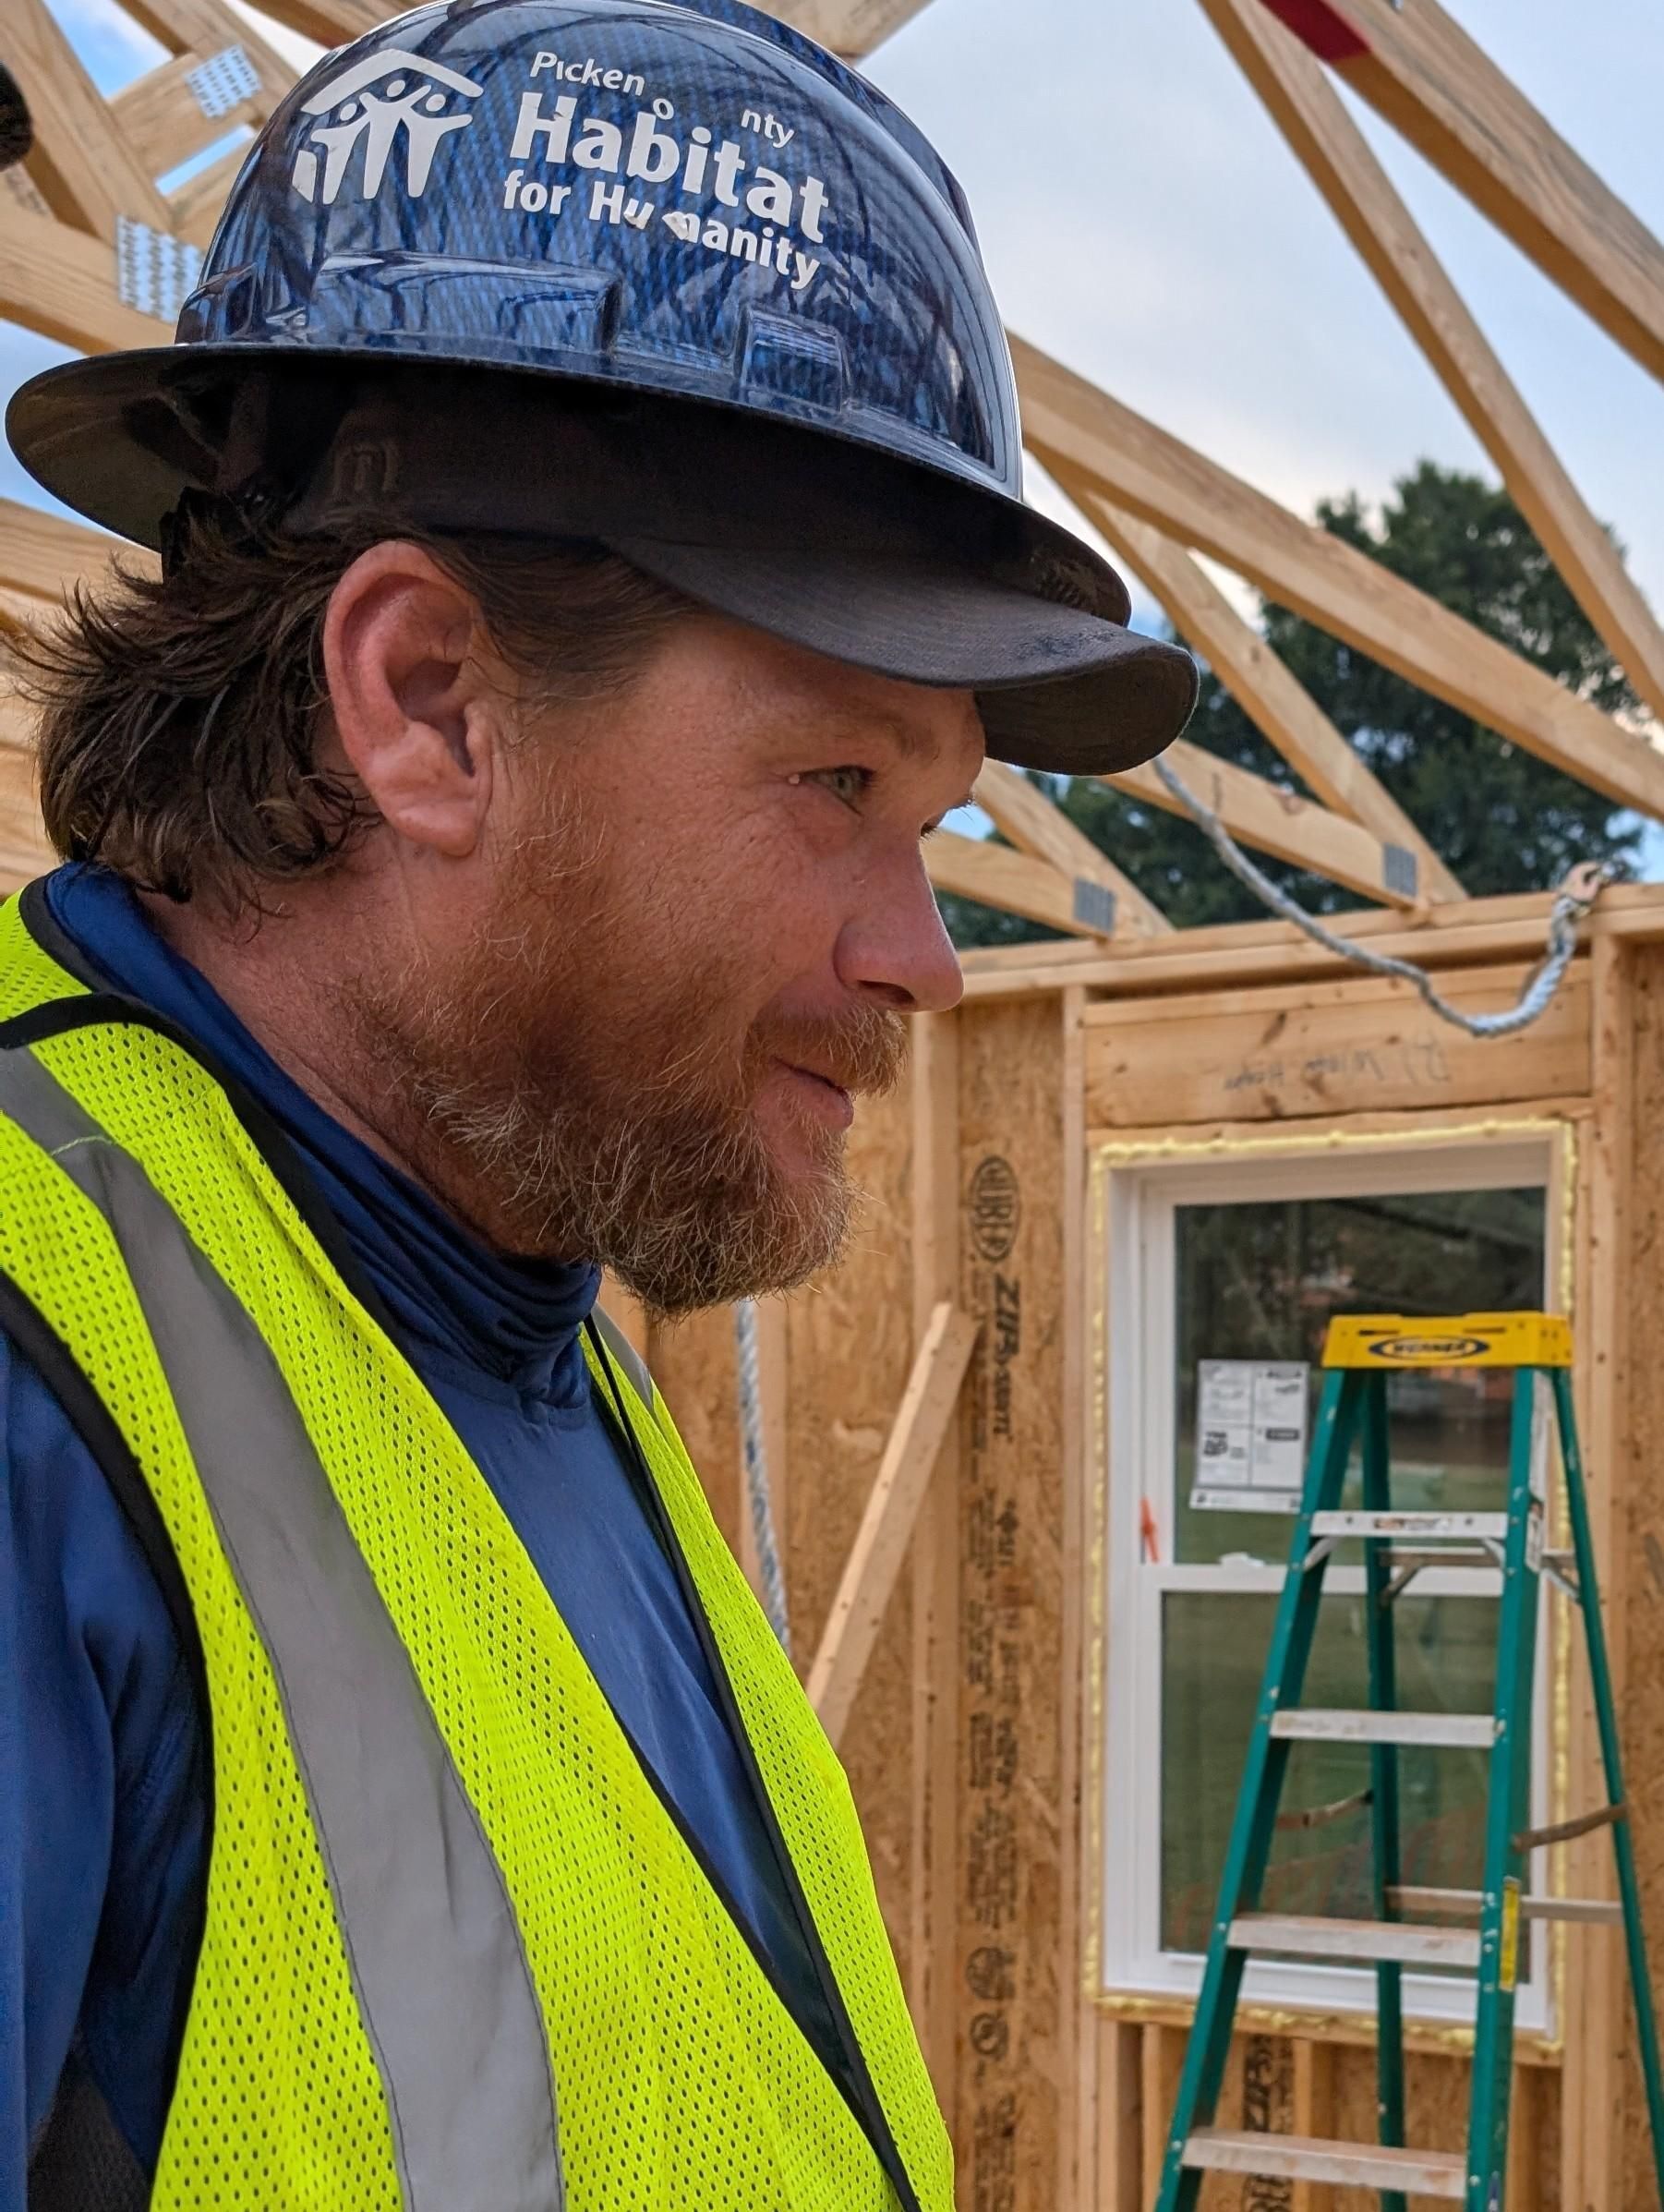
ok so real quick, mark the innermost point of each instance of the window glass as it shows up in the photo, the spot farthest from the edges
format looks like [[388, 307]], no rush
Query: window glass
[[1261, 1281], [1213, 1647]]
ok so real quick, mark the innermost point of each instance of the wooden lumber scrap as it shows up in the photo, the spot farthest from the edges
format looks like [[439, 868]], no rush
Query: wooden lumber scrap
[[875, 1558], [934, 1198]]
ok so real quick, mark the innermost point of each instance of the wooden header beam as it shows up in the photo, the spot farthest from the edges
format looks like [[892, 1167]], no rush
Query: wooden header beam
[[1313, 118], [1078, 431], [1209, 957], [1445, 94], [1267, 690]]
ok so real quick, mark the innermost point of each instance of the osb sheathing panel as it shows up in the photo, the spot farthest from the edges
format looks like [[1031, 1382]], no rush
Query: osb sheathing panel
[[1257, 2093], [1011, 2121], [1641, 1526], [849, 1350], [1260, 2091], [1435, 2110]]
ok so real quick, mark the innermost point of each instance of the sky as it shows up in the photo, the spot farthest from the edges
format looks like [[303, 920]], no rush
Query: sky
[[1143, 220]]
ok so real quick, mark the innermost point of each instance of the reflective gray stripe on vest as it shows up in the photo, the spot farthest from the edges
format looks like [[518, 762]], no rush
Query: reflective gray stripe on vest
[[441, 1979]]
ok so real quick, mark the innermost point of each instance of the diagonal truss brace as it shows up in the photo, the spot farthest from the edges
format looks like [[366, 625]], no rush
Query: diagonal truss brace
[[1442, 92], [975, 867], [1043, 831], [81, 163], [1262, 814], [1080, 433], [1313, 119], [1271, 695]]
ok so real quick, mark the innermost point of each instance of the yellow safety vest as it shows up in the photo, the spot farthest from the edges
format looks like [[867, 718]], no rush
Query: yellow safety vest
[[456, 1953]]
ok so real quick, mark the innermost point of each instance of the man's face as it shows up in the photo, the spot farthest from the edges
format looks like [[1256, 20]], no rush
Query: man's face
[[702, 917]]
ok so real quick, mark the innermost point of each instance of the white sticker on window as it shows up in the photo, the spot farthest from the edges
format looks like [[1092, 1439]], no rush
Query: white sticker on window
[[1250, 1435]]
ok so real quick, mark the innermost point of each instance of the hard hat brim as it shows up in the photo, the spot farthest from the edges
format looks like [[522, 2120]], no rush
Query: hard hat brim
[[820, 541], [1059, 687]]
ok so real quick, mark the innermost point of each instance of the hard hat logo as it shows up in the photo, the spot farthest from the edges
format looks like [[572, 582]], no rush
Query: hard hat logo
[[414, 101]]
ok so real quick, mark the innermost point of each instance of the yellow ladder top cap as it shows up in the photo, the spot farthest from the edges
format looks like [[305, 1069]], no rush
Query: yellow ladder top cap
[[1395, 1340]]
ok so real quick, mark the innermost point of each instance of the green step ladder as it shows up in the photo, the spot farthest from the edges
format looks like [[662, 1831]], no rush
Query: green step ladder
[[1359, 1357]]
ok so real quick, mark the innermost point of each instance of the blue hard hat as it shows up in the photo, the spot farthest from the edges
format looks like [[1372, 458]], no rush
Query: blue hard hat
[[673, 278]]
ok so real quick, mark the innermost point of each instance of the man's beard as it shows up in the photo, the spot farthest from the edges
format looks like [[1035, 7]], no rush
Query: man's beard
[[569, 1120]]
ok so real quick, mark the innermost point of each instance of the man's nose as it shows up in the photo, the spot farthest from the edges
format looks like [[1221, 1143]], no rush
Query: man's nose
[[894, 950]]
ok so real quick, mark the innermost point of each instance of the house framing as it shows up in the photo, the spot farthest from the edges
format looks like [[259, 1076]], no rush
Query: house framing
[[939, 1407]]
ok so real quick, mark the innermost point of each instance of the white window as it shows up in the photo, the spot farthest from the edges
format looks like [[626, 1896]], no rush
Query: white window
[[1245, 1259]]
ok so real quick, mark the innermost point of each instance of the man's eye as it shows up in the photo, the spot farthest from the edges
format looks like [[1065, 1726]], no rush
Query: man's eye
[[846, 783]]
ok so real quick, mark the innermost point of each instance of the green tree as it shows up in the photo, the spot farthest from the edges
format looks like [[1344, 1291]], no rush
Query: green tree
[[1504, 820]]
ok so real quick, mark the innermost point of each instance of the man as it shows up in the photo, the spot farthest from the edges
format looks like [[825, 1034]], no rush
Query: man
[[592, 562]]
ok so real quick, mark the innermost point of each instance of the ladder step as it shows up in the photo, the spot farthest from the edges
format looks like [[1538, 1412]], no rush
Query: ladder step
[[1365, 1940], [1447, 1731], [1344, 2165], [1464, 1904], [1468, 1526]]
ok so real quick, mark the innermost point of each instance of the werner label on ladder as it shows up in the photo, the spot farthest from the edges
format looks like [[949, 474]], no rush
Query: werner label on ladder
[[1411, 1926]]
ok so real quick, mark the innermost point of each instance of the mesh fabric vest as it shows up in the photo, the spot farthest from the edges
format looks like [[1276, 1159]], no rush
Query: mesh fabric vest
[[675, 2077]]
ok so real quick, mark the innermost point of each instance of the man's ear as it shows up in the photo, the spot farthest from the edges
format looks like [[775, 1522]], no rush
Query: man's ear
[[413, 710]]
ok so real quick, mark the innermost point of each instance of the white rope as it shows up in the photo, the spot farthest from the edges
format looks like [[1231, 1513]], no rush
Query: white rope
[[1577, 897], [756, 1471]]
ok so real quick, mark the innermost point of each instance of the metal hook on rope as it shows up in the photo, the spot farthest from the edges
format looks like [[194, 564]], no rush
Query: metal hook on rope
[[1572, 903]]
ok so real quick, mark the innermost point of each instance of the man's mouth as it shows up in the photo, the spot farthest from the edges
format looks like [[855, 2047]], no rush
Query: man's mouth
[[829, 1100]]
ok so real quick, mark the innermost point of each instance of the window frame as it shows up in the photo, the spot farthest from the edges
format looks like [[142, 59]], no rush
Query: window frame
[[1139, 1198]]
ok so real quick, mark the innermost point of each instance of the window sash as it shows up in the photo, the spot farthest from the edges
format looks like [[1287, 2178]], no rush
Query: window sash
[[1141, 1357]]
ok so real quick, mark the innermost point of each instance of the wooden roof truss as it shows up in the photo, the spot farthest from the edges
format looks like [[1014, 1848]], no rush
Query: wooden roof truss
[[97, 236]]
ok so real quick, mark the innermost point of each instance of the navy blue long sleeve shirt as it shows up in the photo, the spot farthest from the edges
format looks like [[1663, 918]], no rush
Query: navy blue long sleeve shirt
[[103, 1820]]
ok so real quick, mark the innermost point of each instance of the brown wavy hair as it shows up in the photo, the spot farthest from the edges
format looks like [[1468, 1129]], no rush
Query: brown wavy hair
[[179, 716]]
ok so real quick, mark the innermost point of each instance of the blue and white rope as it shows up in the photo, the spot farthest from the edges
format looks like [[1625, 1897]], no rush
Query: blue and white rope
[[757, 1496], [1569, 909]]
